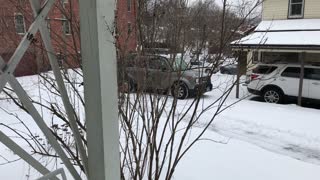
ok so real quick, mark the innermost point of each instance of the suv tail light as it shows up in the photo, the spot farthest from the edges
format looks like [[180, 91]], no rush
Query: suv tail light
[[254, 76]]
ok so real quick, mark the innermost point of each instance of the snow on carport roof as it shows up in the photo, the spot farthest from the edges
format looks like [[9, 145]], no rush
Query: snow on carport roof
[[290, 25], [297, 34], [297, 38]]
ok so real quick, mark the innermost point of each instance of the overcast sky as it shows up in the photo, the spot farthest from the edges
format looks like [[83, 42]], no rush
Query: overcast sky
[[234, 3], [230, 2], [219, 2]]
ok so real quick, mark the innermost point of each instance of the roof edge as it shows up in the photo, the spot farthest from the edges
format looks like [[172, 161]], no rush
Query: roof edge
[[275, 46]]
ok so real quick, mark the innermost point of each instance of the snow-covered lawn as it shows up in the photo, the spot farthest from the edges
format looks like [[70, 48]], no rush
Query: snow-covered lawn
[[262, 142], [258, 141]]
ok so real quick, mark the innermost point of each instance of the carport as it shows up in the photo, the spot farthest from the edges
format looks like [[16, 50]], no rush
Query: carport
[[280, 41]]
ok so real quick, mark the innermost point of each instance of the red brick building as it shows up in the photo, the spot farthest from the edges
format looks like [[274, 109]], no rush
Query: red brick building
[[126, 15], [63, 22]]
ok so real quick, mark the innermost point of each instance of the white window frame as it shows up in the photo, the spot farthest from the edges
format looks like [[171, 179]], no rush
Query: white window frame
[[290, 9], [15, 23]]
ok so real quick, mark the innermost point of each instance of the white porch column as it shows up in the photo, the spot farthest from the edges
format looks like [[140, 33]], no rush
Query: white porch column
[[100, 85]]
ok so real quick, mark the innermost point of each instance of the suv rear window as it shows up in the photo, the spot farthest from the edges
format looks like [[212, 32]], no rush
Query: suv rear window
[[264, 69], [293, 72]]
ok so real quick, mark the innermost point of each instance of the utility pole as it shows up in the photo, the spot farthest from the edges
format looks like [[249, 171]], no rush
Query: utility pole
[[100, 88]]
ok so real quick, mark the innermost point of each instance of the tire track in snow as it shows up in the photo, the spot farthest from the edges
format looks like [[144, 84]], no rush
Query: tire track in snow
[[288, 143]]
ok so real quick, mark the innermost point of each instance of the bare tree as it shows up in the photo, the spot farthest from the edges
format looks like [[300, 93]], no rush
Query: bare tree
[[155, 126]]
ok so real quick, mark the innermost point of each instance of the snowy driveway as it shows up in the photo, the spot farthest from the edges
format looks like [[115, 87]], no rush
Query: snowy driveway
[[295, 145], [259, 141], [287, 129], [284, 129]]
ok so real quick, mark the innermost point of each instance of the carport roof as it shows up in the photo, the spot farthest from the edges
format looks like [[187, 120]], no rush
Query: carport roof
[[283, 34]]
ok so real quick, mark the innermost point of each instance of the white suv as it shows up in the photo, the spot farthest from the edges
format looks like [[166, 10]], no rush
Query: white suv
[[275, 82]]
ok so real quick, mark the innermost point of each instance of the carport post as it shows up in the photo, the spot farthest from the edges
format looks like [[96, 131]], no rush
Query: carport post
[[301, 59], [241, 70], [100, 88], [238, 81]]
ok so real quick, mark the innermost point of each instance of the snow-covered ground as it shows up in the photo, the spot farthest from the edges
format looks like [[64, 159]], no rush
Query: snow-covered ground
[[262, 142], [257, 141]]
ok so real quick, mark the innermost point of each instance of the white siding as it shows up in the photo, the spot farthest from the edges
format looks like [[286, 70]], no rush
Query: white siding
[[312, 9], [278, 9]]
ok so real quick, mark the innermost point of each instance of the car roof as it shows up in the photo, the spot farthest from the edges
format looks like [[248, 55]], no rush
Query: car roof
[[289, 65]]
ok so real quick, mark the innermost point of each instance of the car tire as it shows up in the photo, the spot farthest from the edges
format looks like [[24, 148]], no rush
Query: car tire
[[273, 95], [180, 90]]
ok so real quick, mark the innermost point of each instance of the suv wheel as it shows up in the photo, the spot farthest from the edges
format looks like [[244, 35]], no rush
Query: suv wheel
[[180, 90], [273, 95]]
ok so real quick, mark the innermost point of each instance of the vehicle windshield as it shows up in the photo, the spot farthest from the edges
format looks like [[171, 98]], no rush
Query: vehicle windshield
[[179, 64]]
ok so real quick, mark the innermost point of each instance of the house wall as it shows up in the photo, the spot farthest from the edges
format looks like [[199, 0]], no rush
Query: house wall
[[278, 9], [35, 59], [68, 46], [126, 41]]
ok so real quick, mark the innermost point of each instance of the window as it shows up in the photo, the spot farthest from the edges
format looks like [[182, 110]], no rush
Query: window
[[129, 5], [292, 72], [313, 74], [157, 63], [129, 28], [66, 27], [19, 23], [179, 64], [296, 8], [61, 59]]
